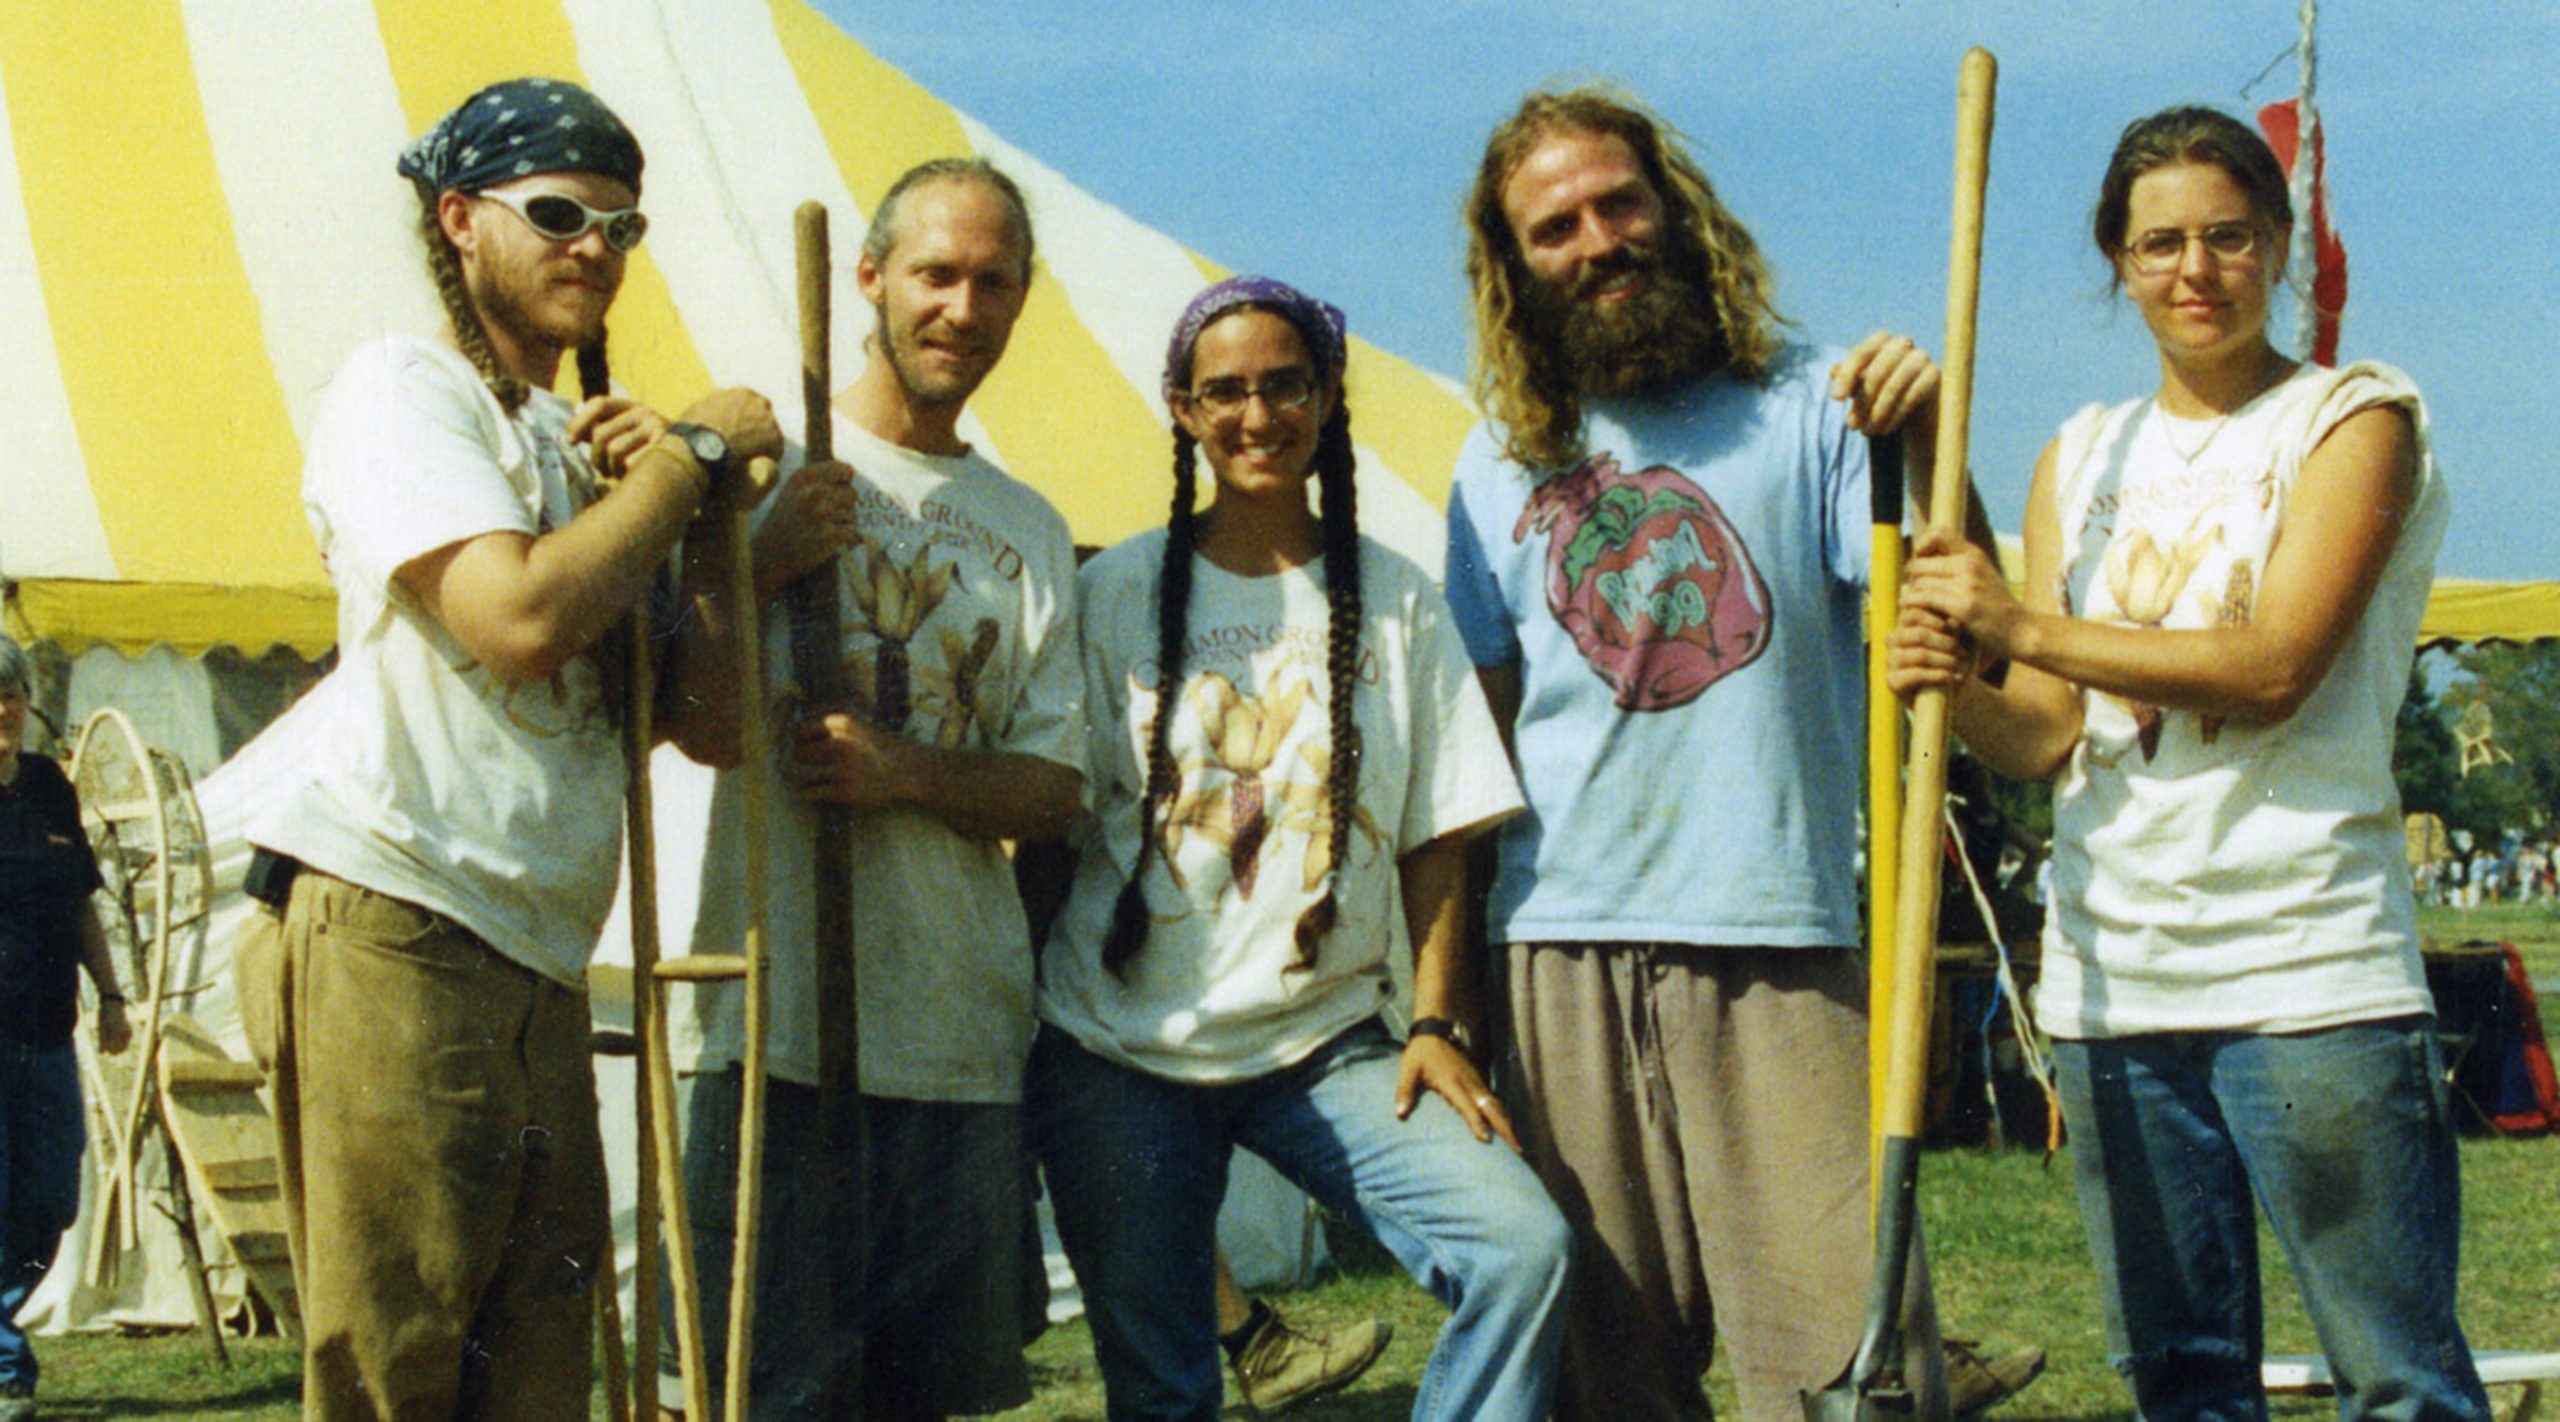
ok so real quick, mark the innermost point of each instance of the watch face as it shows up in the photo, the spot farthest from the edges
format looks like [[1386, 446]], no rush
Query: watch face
[[707, 445]]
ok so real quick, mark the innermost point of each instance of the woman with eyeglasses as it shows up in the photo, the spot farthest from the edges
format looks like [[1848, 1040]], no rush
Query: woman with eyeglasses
[[2223, 585], [1289, 754]]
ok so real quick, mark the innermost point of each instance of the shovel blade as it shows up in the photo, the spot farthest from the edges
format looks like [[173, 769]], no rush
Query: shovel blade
[[1883, 1400]]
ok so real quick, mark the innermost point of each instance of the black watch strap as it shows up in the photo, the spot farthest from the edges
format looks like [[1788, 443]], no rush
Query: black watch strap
[[1446, 1029], [709, 448]]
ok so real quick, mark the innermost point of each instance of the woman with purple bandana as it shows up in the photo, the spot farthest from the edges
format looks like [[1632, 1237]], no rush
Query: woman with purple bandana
[[1289, 755]]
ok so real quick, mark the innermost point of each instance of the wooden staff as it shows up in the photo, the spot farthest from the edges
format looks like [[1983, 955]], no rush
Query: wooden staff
[[636, 1379], [817, 664], [1868, 1387], [684, 1280], [1925, 793], [754, 754]]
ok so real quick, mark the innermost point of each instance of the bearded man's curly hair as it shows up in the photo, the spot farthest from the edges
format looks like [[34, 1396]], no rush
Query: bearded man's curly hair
[[1520, 379]]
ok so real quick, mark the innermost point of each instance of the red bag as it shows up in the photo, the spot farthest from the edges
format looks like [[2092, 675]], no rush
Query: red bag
[[2529, 1097]]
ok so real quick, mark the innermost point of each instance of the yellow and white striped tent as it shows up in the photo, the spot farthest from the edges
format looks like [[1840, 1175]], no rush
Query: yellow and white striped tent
[[199, 221]]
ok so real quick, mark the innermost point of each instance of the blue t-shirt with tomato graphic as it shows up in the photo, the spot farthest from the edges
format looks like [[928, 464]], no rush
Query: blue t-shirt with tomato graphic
[[1683, 607]]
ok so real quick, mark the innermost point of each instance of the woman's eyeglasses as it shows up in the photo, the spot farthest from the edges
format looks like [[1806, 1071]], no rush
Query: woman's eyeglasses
[[1281, 390], [2160, 250], [563, 218]]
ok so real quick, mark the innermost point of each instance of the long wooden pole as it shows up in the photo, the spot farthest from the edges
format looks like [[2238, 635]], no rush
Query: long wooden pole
[[817, 661], [657, 1179], [1868, 1389], [754, 753], [1916, 901]]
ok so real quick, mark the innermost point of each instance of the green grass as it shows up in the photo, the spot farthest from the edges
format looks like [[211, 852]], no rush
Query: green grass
[[2533, 928], [2004, 1243], [169, 1375]]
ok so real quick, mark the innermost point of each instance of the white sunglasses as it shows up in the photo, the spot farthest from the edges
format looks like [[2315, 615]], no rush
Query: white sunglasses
[[563, 218]]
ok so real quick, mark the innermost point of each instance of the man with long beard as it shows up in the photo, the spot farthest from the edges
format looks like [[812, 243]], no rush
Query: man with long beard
[[1657, 553], [445, 862], [965, 729]]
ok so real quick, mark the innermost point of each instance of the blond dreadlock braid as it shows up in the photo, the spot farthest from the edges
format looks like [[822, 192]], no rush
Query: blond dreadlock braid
[[444, 264]]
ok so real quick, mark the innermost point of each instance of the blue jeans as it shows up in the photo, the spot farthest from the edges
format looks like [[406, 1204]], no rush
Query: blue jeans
[[2346, 1138], [41, 1134], [1137, 1167]]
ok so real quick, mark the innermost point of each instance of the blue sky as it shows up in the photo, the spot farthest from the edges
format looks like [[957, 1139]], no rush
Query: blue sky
[[1331, 145]]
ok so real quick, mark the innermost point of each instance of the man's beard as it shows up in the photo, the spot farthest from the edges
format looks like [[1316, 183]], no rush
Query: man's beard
[[1658, 339], [921, 387], [505, 302]]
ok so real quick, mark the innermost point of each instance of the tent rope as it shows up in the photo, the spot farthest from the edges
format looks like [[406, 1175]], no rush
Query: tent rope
[[2302, 258], [2030, 1048]]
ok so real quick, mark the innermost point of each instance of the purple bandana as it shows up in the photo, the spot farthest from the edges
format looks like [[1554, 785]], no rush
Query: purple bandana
[[519, 128], [1319, 324]]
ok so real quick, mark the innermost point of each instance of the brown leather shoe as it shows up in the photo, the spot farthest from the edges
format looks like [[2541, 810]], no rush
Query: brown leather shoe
[[1975, 1384], [1283, 1365]]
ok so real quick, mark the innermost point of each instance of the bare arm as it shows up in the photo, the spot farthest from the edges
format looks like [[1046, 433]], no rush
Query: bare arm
[[812, 519], [114, 1031], [815, 516], [524, 605], [1891, 387], [2026, 727], [983, 794], [702, 700], [2342, 520], [1445, 982]]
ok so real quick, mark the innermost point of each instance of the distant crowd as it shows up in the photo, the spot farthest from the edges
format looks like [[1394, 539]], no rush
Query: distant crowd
[[2514, 871]]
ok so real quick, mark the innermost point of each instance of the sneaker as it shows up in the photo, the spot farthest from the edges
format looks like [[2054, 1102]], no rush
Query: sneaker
[[1283, 1365], [1975, 1384]]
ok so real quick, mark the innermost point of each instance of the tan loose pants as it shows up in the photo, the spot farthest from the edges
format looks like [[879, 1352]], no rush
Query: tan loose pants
[[1700, 1114], [437, 1145]]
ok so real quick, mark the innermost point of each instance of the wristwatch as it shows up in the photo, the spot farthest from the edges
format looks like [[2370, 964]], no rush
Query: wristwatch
[[1446, 1029], [707, 446]]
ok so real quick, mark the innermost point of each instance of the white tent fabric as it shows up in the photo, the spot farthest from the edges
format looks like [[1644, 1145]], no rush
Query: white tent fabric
[[141, 533], [264, 131]]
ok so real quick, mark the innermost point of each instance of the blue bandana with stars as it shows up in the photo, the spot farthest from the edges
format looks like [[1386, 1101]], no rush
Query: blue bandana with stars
[[519, 128]]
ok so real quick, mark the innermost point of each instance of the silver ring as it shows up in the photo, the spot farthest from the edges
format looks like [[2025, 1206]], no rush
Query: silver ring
[[1483, 1101]]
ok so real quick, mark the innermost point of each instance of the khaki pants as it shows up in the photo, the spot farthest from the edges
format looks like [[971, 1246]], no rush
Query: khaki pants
[[1701, 1116], [437, 1146]]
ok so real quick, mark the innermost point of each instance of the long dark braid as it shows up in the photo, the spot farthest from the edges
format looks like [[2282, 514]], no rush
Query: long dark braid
[[595, 375], [1338, 508], [445, 265], [1128, 932]]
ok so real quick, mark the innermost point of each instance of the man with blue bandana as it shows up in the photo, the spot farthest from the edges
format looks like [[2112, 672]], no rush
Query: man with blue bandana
[[445, 862]]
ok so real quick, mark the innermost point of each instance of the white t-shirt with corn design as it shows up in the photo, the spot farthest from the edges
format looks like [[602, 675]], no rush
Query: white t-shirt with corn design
[[2211, 872], [1244, 840], [957, 608]]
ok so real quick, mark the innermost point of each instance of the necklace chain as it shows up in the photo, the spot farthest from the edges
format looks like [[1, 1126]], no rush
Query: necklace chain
[[2169, 434], [2168, 422]]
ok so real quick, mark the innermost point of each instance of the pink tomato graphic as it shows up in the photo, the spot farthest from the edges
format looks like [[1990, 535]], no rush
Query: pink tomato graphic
[[1650, 579]]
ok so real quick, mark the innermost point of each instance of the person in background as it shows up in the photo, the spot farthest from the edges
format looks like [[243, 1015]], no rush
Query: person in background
[[49, 933]]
